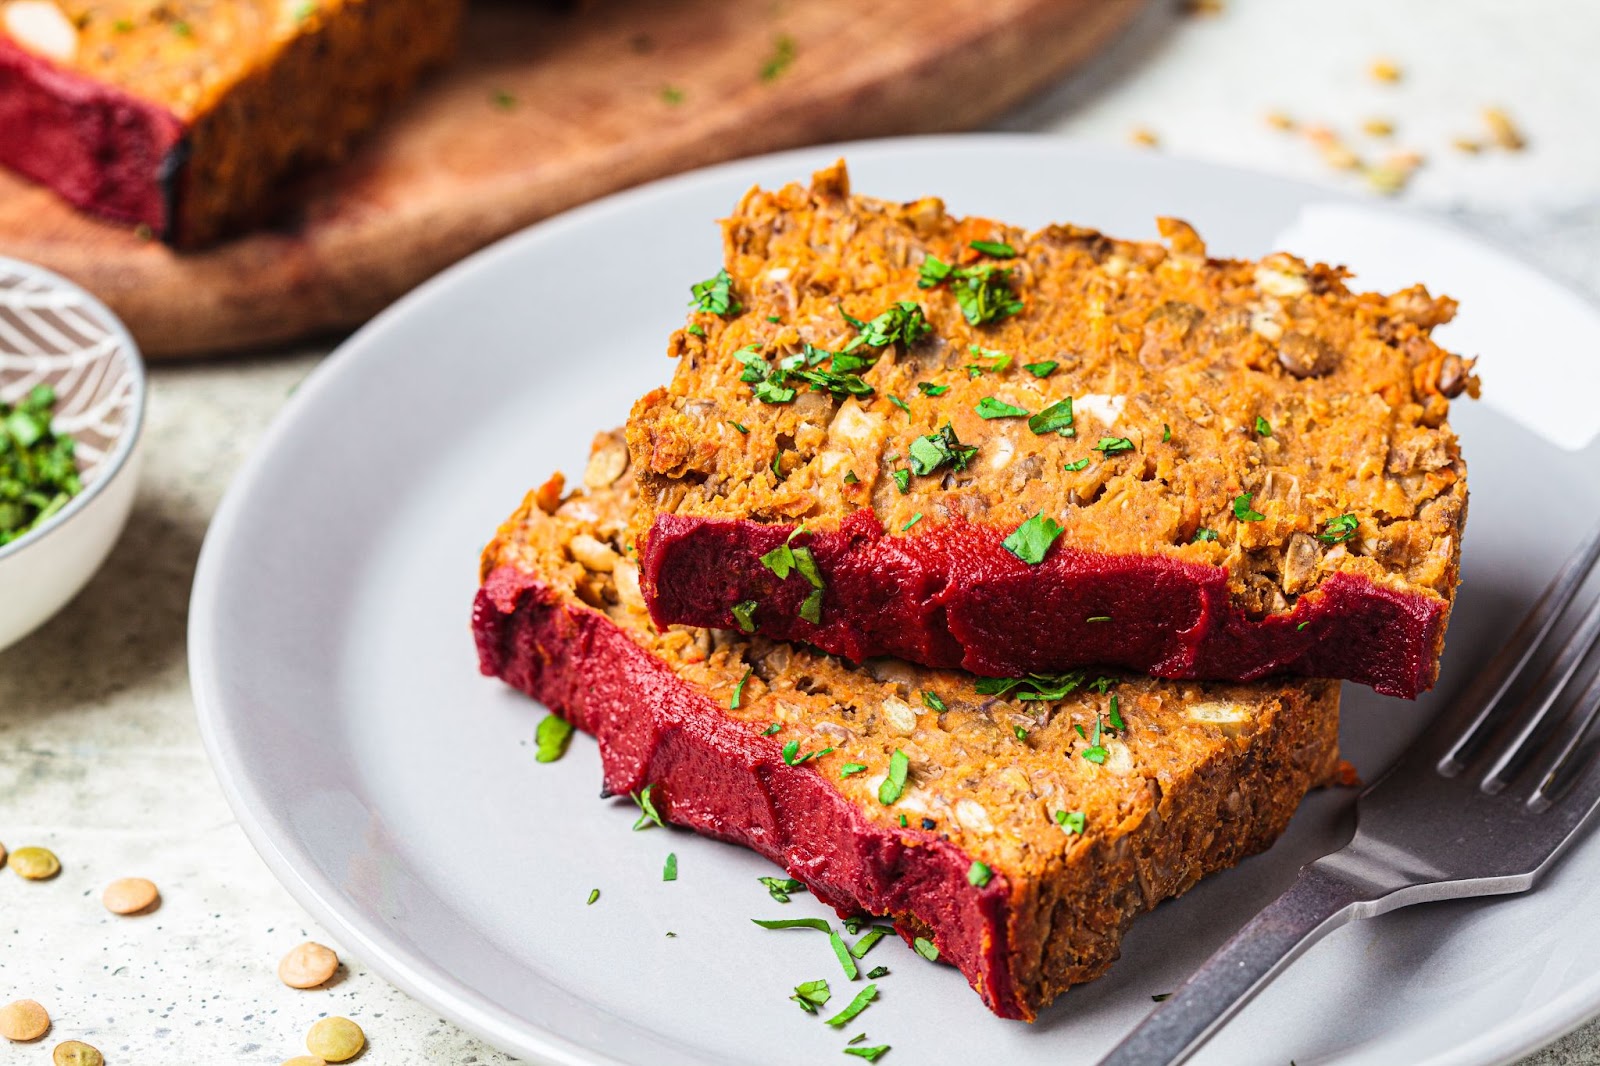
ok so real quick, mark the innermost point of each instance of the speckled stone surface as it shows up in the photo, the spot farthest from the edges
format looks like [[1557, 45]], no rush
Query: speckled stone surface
[[100, 759]]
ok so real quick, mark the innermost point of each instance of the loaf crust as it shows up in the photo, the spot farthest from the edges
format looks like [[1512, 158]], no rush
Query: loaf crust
[[1200, 776], [186, 117], [1258, 477]]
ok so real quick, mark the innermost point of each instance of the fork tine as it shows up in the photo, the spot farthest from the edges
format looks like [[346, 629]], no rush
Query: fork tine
[[1546, 693], [1485, 696], [1560, 768]]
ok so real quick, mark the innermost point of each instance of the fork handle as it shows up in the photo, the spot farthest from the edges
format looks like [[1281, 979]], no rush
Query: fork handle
[[1319, 902]]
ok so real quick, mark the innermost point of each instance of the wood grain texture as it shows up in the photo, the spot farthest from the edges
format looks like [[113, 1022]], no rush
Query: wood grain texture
[[545, 110]]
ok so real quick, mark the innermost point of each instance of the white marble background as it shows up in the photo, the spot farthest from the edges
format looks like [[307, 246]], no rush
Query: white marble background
[[99, 755]]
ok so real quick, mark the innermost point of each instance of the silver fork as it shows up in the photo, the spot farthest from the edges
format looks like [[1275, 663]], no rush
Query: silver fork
[[1438, 825]]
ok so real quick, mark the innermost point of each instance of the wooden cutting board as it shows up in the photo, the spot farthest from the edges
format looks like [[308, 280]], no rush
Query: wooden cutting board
[[544, 110]]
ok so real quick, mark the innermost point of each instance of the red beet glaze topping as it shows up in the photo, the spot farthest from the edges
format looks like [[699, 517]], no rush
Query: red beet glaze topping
[[100, 148], [716, 777], [953, 597]]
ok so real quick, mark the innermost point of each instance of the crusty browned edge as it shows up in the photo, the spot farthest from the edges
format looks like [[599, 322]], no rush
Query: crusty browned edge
[[305, 109], [1019, 941]]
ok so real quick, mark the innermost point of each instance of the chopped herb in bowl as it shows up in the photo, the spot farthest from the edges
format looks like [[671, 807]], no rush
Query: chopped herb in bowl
[[38, 472]]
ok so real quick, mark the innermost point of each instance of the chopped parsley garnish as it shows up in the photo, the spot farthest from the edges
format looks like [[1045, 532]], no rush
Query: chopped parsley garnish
[[842, 953], [902, 821], [671, 95], [1032, 539], [1102, 684], [778, 62], [594, 894], [1071, 821], [1244, 512], [926, 949], [851, 768], [774, 318], [792, 756], [989, 407], [857, 1005], [806, 563], [860, 948], [552, 737], [1113, 445], [877, 972], [715, 295], [1098, 618], [869, 1053], [738, 693], [771, 730], [983, 293], [912, 521], [1057, 418], [782, 559], [669, 872], [649, 815], [696, 329], [1041, 370], [1096, 754], [898, 402], [998, 249], [38, 471], [1047, 687], [819, 924], [902, 478], [1263, 427], [932, 701], [780, 887], [738, 426], [1021, 733], [1335, 531], [744, 615], [857, 1038], [895, 783], [811, 607], [978, 874], [1301, 626], [811, 995], [998, 360], [1115, 717], [850, 478], [1203, 534], [501, 99], [935, 450], [903, 324], [928, 388], [1076, 465], [1166, 433]]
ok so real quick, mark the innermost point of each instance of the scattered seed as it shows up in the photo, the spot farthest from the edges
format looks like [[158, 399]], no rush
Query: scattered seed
[[1279, 121], [35, 864], [1340, 157], [1503, 130], [1467, 145], [1378, 127], [76, 1053], [1386, 180], [1386, 70], [130, 895], [23, 1021], [336, 1040], [1144, 137], [307, 966], [304, 1060]]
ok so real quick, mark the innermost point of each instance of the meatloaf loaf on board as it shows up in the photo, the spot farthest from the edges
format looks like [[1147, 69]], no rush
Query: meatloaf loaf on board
[[1022, 452], [185, 116], [1035, 819]]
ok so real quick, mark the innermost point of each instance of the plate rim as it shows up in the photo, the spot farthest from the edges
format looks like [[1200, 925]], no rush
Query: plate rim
[[408, 969]]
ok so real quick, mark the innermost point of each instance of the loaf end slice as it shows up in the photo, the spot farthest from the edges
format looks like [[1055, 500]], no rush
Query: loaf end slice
[[1017, 452], [1036, 820]]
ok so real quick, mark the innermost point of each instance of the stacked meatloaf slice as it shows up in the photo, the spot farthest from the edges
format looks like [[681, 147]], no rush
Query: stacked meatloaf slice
[[185, 116], [1018, 825], [1017, 452]]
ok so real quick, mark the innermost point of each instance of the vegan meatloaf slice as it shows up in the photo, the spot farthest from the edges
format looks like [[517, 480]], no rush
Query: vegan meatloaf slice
[[185, 116], [1034, 821], [1022, 452]]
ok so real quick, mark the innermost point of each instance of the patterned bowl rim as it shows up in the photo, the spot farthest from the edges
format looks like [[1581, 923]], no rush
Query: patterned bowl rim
[[132, 428]]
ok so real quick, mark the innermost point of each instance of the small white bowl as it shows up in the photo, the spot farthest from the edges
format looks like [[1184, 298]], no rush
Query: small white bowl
[[51, 331]]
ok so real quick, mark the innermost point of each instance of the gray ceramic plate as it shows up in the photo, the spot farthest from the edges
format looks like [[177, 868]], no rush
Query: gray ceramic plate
[[394, 791]]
